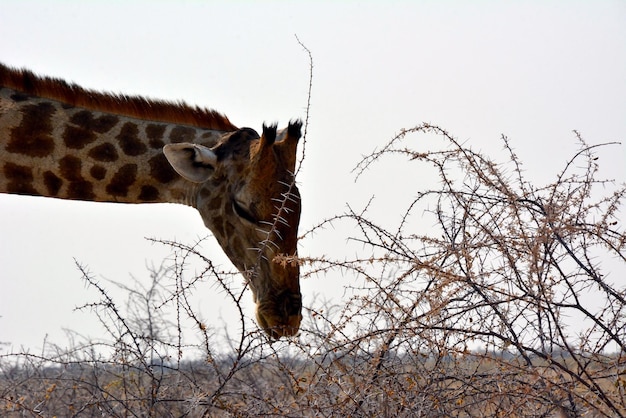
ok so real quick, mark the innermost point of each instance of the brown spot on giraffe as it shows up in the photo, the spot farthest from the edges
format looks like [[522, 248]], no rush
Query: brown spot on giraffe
[[70, 168], [204, 193], [76, 137], [148, 194], [52, 182], [84, 126], [213, 203], [182, 134], [122, 180], [157, 143], [155, 133], [219, 229], [218, 219], [129, 140], [105, 152], [161, 170], [20, 179], [89, 122], [98, 172], [32, 137], [229, 229], [80, 190]]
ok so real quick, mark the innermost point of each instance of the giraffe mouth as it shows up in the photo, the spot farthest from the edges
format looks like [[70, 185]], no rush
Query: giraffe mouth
[[281, 316], [276, 332]]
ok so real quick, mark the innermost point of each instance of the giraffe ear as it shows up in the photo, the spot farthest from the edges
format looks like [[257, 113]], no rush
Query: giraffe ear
[[193, 162]]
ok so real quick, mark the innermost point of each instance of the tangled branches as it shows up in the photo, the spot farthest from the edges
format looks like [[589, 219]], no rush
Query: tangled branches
[[503, 305], [490, 297]]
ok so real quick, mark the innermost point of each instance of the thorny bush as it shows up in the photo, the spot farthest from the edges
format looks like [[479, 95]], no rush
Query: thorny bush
[[512, 304]]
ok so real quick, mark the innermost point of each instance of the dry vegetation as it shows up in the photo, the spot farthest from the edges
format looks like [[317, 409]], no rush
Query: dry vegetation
[[502, 309], [491, 297]]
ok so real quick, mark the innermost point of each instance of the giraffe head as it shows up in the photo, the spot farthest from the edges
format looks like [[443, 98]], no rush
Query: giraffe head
[[247, 197]]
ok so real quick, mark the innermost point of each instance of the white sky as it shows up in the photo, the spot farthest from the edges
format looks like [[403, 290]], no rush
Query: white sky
[[533, 71]]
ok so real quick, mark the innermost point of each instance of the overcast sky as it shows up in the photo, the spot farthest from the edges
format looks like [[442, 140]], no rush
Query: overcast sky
[[533, 71]]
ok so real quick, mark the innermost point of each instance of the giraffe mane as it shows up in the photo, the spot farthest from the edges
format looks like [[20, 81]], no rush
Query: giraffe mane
[[132, 106]]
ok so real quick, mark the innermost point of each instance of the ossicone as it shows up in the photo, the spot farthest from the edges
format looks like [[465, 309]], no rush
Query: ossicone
[[294, 130], [269, 134]]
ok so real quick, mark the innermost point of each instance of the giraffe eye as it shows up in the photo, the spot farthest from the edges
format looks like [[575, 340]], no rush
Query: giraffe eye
[[243, 213]]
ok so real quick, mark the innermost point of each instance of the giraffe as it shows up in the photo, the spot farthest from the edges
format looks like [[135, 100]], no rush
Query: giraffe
[[62, 141]]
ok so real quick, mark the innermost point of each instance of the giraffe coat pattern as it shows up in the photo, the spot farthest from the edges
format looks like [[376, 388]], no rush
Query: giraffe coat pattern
[[61, 141]]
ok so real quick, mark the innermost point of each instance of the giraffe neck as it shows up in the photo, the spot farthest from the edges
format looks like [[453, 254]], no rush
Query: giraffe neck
[[74, 147], [62, 141]]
